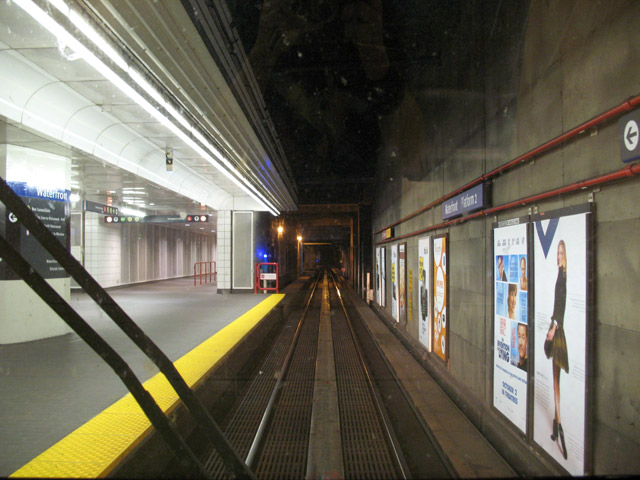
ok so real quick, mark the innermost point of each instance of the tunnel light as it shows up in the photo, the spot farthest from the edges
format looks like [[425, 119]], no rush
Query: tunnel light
[[280, 229], [299, 238], [66, 38]]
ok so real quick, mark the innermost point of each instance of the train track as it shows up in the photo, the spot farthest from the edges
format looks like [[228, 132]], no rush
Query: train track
[[313, 409]]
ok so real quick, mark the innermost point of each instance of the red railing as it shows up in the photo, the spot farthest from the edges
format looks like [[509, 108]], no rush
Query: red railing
[[265, 277], [206, 270]]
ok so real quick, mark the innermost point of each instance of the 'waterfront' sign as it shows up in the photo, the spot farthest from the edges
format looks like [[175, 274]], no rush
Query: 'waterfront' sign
[[466, 202]]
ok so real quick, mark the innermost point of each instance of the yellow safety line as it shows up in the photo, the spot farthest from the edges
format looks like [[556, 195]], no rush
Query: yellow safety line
[[95, 448]]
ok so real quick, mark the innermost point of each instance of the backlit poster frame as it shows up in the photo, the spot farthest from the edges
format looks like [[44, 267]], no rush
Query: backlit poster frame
[[562, 303], [402, 284], [424, 290], [383, 276], [511, 327], [394, 283], [440, 297], [378, 275]]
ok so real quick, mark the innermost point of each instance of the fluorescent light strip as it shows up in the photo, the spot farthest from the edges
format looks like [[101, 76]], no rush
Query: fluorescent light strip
[[134, 167], [53, 27], [132, 212]]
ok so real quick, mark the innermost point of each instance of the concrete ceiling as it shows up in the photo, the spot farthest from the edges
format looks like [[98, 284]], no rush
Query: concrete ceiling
[[54, 101]]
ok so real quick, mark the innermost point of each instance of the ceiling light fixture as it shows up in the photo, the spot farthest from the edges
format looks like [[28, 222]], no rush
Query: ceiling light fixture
[[74, 44], [132, 211]]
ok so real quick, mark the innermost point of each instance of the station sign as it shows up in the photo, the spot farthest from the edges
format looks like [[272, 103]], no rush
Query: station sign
[[164, 219], [469, 201], [156, 219], [122, 219], [629, 138], [268, 276], [24, 189], [51, 206], [388, 233], [95, 207], [197, 218]]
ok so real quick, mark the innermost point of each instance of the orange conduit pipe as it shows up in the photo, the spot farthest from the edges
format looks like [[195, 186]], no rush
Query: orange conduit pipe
[[624, 107], [626, 172]]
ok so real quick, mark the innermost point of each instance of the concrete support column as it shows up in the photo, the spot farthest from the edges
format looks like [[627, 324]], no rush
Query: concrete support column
[[242, 241], [43, 181], [224, 251]]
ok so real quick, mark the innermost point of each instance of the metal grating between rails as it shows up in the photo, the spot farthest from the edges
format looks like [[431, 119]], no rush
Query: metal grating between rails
[[284, 455], [364, 444], [242, 423]]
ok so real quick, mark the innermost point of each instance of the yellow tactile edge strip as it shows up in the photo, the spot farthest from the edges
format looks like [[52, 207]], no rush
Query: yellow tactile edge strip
[[96, 447]]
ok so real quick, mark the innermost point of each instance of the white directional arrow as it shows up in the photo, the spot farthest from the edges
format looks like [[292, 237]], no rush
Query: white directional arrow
[[631, 135]]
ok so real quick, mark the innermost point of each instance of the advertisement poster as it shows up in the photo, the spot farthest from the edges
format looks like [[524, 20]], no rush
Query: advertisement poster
[[410, 297], [394, 283], [402, 283], [383, 276], [440, 320], [378, 276], [424, 276], [511, 325], [560, 312]]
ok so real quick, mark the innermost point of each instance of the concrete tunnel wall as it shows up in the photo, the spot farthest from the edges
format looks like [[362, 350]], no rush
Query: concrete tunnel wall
[[542, 68]]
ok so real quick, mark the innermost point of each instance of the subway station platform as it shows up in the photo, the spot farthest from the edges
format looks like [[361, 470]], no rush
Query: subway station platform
[[51, 387], [56, 394]]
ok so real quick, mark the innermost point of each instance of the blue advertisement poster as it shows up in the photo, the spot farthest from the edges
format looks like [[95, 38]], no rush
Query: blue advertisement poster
[[511, 325]]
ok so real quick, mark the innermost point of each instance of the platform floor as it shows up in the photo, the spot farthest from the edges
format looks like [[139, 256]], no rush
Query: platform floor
[[50, 387]]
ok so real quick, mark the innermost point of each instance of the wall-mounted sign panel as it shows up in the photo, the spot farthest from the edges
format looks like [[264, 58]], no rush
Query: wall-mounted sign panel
[[466, 202], [629, 136], [156, 219], [89, 206], [387, 233], [51, 206]]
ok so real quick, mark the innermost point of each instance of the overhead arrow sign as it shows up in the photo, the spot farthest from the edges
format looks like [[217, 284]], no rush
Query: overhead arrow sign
[[629, 136]]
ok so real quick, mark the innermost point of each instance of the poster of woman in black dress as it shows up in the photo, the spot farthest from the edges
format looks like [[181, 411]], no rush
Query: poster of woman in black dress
[[555, 346], [560, 259]]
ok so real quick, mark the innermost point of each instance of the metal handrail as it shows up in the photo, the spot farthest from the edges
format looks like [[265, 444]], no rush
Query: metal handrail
[[203, 419], [210, 269], [258, 273]]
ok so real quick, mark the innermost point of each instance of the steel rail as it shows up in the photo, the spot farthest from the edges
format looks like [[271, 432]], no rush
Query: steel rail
[[257, 440], [384, 420]]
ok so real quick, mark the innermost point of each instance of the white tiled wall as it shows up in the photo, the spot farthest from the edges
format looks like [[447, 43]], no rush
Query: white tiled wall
[[224, 249], [123, 254], [102, 250]]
